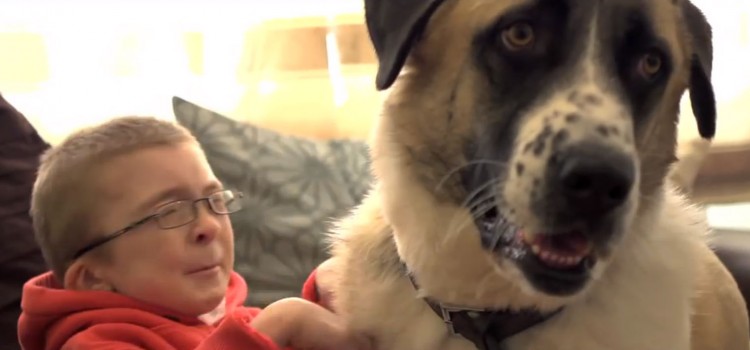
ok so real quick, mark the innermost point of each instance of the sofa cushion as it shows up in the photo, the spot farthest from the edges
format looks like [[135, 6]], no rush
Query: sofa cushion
[[733, 249], [294, 188]]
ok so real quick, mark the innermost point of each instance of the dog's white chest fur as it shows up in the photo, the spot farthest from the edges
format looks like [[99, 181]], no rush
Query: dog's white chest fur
[[647, 310], [641, 302], [650, 321]]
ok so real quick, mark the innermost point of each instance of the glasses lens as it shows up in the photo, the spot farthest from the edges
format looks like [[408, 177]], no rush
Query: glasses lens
[[225, 202], [175, 214]]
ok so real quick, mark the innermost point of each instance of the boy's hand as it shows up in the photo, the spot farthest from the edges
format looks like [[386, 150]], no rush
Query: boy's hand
[[302, 325], [325, 277]]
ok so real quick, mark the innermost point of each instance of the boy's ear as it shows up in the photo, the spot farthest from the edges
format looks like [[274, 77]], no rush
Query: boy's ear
[[81, 276]]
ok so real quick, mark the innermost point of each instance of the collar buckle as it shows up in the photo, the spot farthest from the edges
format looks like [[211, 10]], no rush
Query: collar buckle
[[447, 310]]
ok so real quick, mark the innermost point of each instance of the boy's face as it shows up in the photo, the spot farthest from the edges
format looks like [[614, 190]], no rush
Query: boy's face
[[186, 268]]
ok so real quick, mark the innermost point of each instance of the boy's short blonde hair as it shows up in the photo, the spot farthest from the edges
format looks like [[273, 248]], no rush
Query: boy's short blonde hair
[[63, 199]]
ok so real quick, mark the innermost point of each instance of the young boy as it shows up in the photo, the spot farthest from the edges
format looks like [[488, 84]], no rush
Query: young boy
[[134, 226]]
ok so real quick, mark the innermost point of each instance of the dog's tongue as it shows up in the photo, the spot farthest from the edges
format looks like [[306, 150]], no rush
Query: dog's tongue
[[569, 244]]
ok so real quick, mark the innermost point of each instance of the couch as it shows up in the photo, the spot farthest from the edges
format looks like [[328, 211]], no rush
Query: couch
[[733, 248]]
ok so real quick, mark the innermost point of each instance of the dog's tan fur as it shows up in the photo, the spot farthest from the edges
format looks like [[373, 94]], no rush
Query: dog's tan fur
[[661, 288]]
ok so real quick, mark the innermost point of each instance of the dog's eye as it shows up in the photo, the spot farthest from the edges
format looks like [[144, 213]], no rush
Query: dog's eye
[[650, 65], [518, 36]]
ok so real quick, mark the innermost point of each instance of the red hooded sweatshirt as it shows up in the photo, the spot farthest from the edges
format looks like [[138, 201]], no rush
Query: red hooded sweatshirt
[[54, 318]]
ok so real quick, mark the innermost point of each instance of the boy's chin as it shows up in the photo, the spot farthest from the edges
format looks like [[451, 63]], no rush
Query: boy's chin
[[217, 306], [206, 295], [197, 300], [205, 305]]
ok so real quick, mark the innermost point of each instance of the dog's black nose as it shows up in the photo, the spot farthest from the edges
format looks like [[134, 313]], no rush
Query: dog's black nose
[[594, 180]]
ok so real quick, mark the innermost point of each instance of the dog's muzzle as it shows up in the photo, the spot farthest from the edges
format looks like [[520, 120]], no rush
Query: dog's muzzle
[[579, 209]]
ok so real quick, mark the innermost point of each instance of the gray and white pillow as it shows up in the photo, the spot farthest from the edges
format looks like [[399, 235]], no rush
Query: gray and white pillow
[[294, 188]]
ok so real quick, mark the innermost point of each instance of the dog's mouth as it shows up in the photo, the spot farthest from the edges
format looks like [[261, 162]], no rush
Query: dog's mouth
[[560, 250], [557, 263]]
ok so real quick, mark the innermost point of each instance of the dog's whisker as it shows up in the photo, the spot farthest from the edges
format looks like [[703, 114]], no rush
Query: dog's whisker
[[479, 202], [480, 209], [455, 170], [458, 225], [481, 188]]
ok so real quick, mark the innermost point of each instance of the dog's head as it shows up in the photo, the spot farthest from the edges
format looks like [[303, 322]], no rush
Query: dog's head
[[552, 122]]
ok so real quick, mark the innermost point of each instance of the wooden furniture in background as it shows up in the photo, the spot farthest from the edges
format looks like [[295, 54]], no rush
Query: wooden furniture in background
[[724, 176], [312, 77]]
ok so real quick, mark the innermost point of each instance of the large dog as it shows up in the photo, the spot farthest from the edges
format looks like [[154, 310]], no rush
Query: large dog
[[521, 200]]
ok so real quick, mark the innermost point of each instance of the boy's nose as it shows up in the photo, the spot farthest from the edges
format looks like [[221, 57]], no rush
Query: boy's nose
[[206, 226]]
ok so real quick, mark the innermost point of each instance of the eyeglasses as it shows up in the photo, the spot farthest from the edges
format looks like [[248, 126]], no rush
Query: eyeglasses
[[176, 214]]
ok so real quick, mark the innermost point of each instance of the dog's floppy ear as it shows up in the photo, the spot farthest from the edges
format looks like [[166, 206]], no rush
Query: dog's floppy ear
[[394, 27], [702, 97]]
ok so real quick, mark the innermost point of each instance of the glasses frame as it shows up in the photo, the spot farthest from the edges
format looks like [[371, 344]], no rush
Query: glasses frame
[[106, 238]]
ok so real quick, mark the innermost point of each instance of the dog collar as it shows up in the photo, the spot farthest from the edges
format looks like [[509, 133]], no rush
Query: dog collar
[[486, 328]]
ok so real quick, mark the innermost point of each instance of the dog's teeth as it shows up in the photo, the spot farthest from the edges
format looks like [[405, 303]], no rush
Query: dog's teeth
[[559, 260], [555, 259]]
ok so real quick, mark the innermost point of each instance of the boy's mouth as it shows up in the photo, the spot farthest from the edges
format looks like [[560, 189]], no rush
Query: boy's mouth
[[204, 269]]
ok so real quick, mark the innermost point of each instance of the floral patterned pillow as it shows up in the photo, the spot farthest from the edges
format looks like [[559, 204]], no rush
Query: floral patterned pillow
[[294, 188]]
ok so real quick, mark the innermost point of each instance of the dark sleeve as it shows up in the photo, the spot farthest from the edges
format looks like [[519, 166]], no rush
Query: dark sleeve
[[20, 258]]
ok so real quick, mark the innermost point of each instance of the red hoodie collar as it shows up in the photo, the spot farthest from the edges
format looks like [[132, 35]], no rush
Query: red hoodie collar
[[44, 297]]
